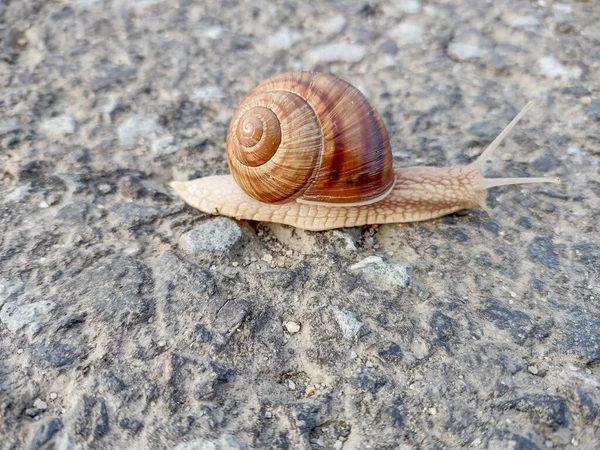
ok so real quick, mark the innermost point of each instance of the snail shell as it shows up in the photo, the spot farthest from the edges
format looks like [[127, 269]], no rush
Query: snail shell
[[312, 138]]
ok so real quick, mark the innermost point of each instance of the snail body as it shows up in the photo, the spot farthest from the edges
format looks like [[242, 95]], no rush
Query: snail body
[[307, 149]]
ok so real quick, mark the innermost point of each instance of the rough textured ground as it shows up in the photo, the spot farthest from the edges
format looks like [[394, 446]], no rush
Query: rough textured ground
[[129, 320]]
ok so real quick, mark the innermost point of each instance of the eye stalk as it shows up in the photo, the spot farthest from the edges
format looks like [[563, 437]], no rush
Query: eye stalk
[[487, 183]]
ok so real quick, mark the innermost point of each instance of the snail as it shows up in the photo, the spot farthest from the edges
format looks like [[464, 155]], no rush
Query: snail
[[307, 149]]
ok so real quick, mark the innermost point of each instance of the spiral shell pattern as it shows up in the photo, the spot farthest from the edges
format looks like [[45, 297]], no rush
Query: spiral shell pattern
[[311, 137]]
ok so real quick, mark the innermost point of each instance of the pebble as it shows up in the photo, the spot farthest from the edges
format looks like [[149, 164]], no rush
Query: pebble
[[165, 145], [138, 126], [407, 33], [267, 258], [333, 25], [550, 67], [432, 411], [392, 274], [213, 32], [353, 355], [53, 395], [529, 23], [82, 3], [562, 8], [32, 412], [292, 327], [9, 290], [110, 107], [40, 404], [585, 100], [227, 442], [388, 47], [465, 51], [350, 243], [268, 415], [284, 39], [216, 235], [16, 316], [59, 126], [207, 94], [231, 316], [339, 52], [291, 385], [309, 391], [348, 323], [532, 370], [408, 6], [338, 445], [10, 126]]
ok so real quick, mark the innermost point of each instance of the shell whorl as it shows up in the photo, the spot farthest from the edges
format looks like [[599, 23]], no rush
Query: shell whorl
[[259, 135], [311, 137]]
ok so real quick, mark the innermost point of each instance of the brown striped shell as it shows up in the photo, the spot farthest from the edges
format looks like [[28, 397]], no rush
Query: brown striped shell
[[309, 137]]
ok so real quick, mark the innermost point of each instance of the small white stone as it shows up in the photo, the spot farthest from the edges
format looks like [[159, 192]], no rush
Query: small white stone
[[40, 404], [408, 6], [16, 316], [407, 33], [111, 105], [284, 39], [353, 355], [562, 8], [207, 94], [268, 415], [330, 26], [369, 364], [339, 52], [9, 289], [350, 244], [81, 3], [525, 22], [348, 323], [213, 32], [292, 327], [384, 273], [552, 68], [59, 126], [165, 145], [137, 126], [533, 370], [338, 445], [218, 234], [53, 396], [43, 205], [464, 51], [267, 258], [432, 411], [291, 385]]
